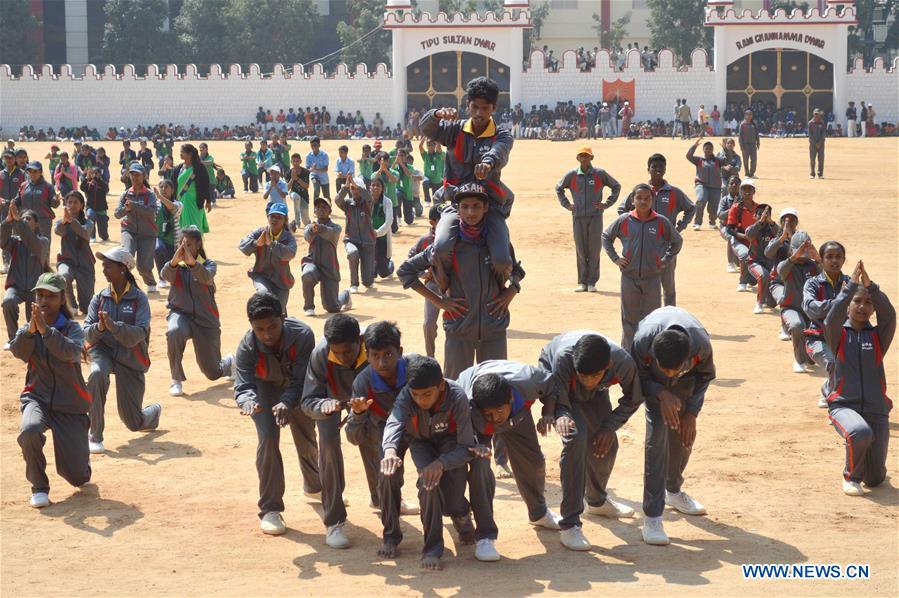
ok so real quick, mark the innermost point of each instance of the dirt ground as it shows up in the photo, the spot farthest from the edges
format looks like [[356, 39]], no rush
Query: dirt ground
[[173, 512]]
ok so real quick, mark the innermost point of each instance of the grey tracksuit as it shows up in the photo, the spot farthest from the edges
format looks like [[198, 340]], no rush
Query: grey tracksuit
[[10, 182], [817, 135], [193, 314], [431, 310], [122, 349], [75, 261], [650, 246], [586, 193], [793, 277], [29, 258], [818, 295], [139, 229], [748, 138], [518, 433], [326, 379], [40, 197], [858, 406], [733, 160], [54, 397], [267, 377], [667, 201], [723, 208], [476, 335], [359, 239], [666, 457], [592, 412], [761, 235], [321, 267], [708, 184], [271, 270], [442, 433], [367, 429]]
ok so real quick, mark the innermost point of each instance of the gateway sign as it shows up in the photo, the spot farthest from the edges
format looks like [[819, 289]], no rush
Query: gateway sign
[[781, 35], [458, 40]]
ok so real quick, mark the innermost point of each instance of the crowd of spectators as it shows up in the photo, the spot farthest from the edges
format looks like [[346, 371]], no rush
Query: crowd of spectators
[[586, 59]]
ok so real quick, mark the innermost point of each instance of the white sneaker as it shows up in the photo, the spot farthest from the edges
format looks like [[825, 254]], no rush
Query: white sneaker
[[151, 288], [697, 226], [485, 550], [591, 288], [354, 289], [784, 336], [175, 389], [850, 488], [573, 539], [654, 532], [335, 538], [581, 288], [732, 269], [95, 448], [164, 284], [349, 303], [272, 524], [713, 227], [3, 269], [39, 500], [6, 346], [229, 366], [684, 503], [409, 508], [759, 309], [309, 312], [822, 402], [611, 509], [742, 288], [549, 521], [798, 368]]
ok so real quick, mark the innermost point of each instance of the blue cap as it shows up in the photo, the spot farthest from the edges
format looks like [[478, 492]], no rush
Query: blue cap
[[34, 165], [136, 167], [277, 208]]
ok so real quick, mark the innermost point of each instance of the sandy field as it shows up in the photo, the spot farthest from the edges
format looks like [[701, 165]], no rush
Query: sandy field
[[173, 512]]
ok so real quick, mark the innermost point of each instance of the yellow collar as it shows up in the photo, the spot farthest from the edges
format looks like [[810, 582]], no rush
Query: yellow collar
[[832, 282], [359, 360], [198, 259], [490, 131], [118, 298]]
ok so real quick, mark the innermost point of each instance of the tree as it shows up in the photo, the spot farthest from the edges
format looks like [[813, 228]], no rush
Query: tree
[[134, 32], [365, 18], [539, 13], [679, 25], [271, 31], [788, 6], [611, 39], [17, 29], [453, 6], [199, 28]]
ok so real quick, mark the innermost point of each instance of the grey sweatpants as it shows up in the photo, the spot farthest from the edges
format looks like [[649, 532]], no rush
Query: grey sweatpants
[[129, 390], [867, 440], [708, 198], [749, 153], [481, 490], [332, 299], [69, 445], [263, 284], [389, 488], [581, 471], [85, 279], [144, 248], [448, 498], [795, 323], [459, 355], [588, 246], [330, 467], [270, 466], [207, 346], [639, 298], [820, 353], [430, 321], [361, 256], [813, 153], [665, 456], [300, 209], [762, 276], [668, 289], [11, 301]]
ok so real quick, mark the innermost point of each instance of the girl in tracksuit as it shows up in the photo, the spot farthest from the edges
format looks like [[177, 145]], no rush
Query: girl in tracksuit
[[649, 243], [859, 407], [75, 262], [273, 247], [731, 197], [137, 210], [359, 239], [29, 258], [730, 163], [708, 181], [95, 190], [117, 329], [54, 397], [381, 219], [818, 296], [778, 250], [168, 227], [803, 264], [193, 313], [760, 234], [37, 195]]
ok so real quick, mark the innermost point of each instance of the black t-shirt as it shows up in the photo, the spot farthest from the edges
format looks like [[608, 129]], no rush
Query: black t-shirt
[[296, 187]]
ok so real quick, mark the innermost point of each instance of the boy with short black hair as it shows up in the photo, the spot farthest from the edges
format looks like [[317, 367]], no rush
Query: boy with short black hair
[[366, 163], [433, 415], [584, 365], [359, 239], [271, 362], [273, 247], [320, 266], [434, 159], [708, 181], [346, 168]]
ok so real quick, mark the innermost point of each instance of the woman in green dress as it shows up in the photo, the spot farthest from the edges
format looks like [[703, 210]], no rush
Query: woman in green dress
[[192, 189]]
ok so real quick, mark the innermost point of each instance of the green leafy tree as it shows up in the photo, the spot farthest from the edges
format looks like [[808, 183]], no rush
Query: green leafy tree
[[679, 25], [199, 28], [364, 22], [454, 6], [134, 32], [539, 12], [611, 39], [17, 27], [271, 31]]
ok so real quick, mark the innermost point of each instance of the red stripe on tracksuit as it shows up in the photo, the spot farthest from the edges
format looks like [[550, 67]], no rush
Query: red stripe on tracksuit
[[845, 436]]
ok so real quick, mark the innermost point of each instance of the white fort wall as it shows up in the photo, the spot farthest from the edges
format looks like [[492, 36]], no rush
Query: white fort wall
[[110, 98]]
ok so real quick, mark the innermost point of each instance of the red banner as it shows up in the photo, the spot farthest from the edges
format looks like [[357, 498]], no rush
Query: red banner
[[619, 90]]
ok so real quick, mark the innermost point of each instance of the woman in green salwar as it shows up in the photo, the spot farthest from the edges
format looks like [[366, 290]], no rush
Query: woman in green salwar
[[192, 189]]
